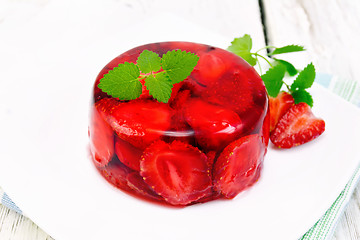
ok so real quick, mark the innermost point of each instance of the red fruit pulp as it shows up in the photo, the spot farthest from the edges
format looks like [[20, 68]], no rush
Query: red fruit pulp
[[214, 126], [222, 101], [238, 165], [177, 171], [101, 139]]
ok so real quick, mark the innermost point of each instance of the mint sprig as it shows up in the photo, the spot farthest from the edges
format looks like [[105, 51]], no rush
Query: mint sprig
[[159, 74], [274, 77]]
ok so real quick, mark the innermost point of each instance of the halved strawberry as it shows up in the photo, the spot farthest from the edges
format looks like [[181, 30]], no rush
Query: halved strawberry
[[296, 127], [139, 122], [137, 183], [214, 126], [101, 139], [238, 165], [177, 171], [128, 154], [278, 107]]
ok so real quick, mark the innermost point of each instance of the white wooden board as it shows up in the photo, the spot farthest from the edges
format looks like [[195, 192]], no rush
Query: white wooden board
[[329, 30]]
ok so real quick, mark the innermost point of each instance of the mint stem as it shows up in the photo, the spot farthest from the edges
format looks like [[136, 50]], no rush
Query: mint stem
[[266, 47], [287, 86], [258, 55], [257, 61]]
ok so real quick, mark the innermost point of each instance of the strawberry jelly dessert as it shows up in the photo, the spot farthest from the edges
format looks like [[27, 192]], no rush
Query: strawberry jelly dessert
[[206, 142]]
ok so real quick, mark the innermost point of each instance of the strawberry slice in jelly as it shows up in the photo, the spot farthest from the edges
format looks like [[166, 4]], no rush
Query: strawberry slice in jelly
[[101, 139], [137, 183], [138, 122], [211, 157], [238, 165], [234, 90], [174, 91], [116, 174], [128, 154], [178, 172], [181, 98], [214, 126], [265, 129], [216, 65]]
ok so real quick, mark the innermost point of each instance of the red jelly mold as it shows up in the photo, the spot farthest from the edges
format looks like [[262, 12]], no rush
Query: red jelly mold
[[207, 142]]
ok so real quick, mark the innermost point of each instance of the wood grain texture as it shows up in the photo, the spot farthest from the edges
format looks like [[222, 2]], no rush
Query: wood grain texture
[[14, 226], [329, 29]]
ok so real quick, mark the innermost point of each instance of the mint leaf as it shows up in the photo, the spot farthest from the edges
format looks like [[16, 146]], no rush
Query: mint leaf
[[178, 64], [122, 82], [287, 49], [241, 44], [249, 58], [273, 79], [289, 67], [302, 95], [242, 47], [159, 86], [305, 79], [149, 61]]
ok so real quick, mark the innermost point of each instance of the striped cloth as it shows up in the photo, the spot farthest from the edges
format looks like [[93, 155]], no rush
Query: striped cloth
[[324, 228], [6, 201]]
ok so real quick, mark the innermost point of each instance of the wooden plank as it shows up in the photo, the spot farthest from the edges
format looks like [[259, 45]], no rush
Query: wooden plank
[[15, 226], [329, 29]]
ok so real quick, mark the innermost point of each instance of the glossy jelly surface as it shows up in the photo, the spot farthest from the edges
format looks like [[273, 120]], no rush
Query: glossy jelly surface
[[207, 142]]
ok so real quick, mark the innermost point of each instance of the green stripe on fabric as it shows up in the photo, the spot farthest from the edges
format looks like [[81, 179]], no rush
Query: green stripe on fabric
[[324, 228]]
